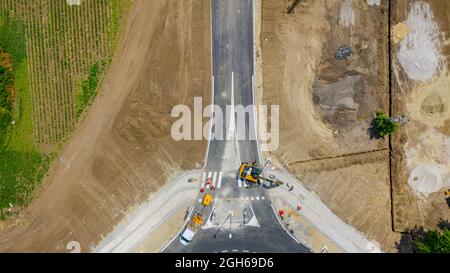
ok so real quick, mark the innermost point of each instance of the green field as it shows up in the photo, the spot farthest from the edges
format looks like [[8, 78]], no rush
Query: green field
[[59, 55]]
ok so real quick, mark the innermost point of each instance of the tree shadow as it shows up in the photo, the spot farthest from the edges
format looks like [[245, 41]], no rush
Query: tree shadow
[[417, 234], [372, 132], [444, 224], [406, 243]]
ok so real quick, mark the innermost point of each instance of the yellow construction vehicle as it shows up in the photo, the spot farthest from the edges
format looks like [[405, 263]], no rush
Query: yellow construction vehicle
[[191, 228], [207, 200], [250, 172]]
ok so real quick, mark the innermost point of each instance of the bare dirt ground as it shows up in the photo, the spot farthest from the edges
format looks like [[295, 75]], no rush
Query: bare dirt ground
[[326, 105], [357, 188], [162, 235], [333, 99], [421, 91], [123, 150]]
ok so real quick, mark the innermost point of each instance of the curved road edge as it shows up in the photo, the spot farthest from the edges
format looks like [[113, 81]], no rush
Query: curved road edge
[[147, 217], [348, 238]]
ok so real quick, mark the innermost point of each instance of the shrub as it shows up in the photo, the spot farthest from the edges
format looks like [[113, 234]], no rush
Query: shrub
[[383, 125], [436, 241]]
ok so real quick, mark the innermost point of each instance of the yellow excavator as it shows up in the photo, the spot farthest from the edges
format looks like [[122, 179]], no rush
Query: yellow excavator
[[252, 173]]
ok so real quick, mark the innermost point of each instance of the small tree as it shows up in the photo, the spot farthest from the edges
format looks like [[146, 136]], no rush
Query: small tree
[[383, 125], [436, 242]]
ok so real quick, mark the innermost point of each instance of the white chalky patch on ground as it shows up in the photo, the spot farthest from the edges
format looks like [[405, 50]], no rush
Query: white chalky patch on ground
[[420, 52], [426, 179], [347, 14], [373, 247], [374, 2]]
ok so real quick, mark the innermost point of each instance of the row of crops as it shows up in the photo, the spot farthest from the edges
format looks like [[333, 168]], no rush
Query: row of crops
[[60, 53]]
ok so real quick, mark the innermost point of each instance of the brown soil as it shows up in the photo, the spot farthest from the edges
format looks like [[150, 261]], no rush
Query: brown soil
[[123, 150], [326, 106], [333, 99], [6, 61], [163, 234], [427, 105], [357, 189]]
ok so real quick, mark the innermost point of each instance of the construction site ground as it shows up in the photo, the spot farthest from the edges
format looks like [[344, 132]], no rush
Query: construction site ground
[[123, 149], [160, 237], [421, 91], [327, 105], [304, 230]]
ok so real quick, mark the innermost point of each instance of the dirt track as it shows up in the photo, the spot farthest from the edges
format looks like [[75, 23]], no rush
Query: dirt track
[[122, 151]]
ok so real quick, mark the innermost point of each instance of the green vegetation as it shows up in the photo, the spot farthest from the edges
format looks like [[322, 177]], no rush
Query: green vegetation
[[436, 241], [383, 125], [89, 87], [5, 101], [56, 49], [22, 165]]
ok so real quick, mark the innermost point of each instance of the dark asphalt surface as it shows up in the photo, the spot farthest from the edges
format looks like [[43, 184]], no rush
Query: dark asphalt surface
[[233, 52]]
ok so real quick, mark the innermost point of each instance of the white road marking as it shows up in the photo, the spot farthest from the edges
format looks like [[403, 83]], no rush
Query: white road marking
[[232, 128], [257, 197], [262, 198], [209, 175], [246, 198], [214, 179], [255, 117], [252, 198], [219, 182], [199, 200], [212, 103], [203, 180], [224, 251], [240, 183]]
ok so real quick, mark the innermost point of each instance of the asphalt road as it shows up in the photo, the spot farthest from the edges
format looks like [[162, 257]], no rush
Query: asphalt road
[[233, 70]]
